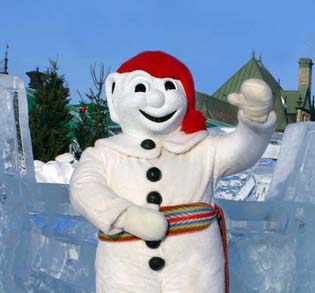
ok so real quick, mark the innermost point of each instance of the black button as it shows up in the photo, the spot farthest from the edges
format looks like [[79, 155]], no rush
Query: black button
[[154, 174], [153, 244], [148, 144], [156, 263], [154, 197]]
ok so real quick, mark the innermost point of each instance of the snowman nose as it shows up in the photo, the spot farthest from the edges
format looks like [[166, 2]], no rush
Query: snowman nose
[[155, 99]]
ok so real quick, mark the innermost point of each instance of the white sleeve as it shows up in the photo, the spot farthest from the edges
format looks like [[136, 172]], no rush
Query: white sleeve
[[90, 194], [240, 149]]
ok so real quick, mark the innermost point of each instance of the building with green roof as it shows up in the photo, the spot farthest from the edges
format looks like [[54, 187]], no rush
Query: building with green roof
[[290, 105]]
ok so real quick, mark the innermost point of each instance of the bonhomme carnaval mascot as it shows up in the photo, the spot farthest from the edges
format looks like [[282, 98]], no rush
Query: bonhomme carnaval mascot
[[149, 190]]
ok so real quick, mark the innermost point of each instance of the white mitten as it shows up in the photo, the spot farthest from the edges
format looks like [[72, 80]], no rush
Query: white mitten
[[145, 223], [255, 99]]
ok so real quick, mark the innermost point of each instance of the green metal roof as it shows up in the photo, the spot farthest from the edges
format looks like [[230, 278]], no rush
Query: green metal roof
[[216, 109], [305, 96], [252, 69], [297, 99], [255, 69], [201, 102], [279, 108], [291, 100]]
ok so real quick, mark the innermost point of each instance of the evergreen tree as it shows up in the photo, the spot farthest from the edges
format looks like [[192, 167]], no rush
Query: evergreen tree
[[49, 118], [93, 112]]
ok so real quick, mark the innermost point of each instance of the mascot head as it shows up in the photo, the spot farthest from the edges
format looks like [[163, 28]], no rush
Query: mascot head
[[153, 94]]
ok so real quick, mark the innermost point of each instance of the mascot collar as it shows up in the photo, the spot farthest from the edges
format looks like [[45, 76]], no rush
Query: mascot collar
[[177, 142]]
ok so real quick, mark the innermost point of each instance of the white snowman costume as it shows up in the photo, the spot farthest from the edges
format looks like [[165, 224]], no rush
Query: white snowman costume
[[121, 182]]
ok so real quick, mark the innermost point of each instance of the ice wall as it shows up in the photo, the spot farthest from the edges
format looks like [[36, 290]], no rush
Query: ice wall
[[46, 247], [15, 159], [271, 243]]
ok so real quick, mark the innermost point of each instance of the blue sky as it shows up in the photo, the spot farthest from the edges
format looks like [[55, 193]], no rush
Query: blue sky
[[214, 38]]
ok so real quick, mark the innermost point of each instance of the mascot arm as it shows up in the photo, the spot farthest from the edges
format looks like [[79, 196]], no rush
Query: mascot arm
[[91, 196], [241, 148]]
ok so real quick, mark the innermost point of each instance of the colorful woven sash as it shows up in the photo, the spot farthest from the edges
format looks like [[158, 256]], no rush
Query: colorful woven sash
[[185, 218]]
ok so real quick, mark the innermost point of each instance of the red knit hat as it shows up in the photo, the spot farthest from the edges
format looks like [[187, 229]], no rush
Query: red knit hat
[[162, 65]]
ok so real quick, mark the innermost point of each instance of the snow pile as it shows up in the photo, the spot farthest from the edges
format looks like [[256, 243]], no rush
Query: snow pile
[[58, 171]]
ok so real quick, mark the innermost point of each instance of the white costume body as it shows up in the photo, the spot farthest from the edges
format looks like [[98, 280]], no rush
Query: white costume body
[[112, 176]]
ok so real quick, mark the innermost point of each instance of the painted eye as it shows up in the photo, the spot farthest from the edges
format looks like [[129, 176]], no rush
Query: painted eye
[[169, 85], [140, 87]]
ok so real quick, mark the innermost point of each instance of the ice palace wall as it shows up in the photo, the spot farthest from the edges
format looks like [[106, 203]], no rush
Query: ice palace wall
[[46, 247]]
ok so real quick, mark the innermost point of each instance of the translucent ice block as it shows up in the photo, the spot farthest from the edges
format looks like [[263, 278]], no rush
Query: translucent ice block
[[46, 247], [271, 243]]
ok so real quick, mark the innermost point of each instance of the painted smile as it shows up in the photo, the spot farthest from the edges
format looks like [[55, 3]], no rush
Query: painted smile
[[157, 119]]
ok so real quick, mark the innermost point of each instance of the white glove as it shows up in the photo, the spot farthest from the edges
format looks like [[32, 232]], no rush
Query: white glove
[[255, 99], [145, 223]]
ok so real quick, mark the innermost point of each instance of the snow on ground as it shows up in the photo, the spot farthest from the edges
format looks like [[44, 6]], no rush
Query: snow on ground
[[58, 171]]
